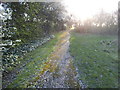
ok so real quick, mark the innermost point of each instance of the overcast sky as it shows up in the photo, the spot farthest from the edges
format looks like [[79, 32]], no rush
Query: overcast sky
[[86, 8]]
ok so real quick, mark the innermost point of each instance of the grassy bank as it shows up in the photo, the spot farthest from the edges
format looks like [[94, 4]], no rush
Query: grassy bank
[[36, 60], [96, 58]]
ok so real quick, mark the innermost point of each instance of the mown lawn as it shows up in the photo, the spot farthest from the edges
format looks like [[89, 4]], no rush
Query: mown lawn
[[36, 59], [96, 58]]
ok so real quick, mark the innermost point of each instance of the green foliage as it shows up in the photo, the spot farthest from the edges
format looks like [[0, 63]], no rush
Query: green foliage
[[30, 21], [34, 20]]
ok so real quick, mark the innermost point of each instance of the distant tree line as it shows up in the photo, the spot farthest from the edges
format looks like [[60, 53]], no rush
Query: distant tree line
[[101, 23]]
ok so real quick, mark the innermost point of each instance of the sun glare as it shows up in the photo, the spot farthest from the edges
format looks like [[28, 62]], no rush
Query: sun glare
[[83, 9]]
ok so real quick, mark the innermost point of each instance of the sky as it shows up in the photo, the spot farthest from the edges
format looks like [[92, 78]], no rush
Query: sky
[[84, 9]]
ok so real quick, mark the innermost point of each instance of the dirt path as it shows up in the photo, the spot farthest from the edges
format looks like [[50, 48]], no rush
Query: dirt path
[[59, 72]]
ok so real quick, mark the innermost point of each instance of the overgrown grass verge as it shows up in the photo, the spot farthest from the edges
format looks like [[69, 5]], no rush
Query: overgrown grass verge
[[37, 59], [96, 58]]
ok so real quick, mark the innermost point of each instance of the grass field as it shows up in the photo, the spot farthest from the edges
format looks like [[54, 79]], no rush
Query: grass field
[[36, 60], [96, 59]]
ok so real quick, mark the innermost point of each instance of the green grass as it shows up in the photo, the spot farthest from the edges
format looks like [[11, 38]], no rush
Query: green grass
[[97, 62], [37, 59]]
